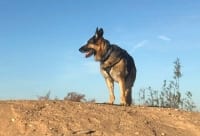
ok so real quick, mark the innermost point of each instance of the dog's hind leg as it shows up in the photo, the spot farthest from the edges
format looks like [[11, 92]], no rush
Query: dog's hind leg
[[122, 92], [110, 85]]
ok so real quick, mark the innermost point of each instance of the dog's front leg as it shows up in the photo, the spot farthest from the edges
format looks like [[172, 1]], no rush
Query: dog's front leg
[[122, 92], [110, 85]]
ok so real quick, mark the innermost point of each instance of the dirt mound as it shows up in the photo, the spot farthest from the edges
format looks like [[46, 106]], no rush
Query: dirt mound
[[64, 118]]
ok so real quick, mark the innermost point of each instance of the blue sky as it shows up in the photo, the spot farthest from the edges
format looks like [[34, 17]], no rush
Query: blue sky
[[39, 42]]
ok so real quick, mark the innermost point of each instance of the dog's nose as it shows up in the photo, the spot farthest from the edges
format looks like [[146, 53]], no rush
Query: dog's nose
[[82, 49]]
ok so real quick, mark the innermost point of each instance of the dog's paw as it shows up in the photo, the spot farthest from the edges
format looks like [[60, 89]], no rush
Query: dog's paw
[[124, 104], [112, 99], [111, 102]]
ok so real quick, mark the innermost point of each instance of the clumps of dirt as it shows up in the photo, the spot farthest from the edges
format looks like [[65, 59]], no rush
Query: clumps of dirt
[[65, 118]]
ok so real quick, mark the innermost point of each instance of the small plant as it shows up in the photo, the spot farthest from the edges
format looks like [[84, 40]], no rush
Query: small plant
[[170, 95], [142, 96], [73, 96], [56, 98], [91, 101], [188, 103], [46, 97], [153, 97]]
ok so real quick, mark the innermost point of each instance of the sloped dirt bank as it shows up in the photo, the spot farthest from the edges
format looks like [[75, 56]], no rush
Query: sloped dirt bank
[[64, 118]]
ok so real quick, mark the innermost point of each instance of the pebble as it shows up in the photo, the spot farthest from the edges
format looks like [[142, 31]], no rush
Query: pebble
[[12, 119], [136, 133], [163, 134]]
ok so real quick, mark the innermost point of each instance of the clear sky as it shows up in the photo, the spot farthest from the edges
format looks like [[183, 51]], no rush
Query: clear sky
[[39, 42]]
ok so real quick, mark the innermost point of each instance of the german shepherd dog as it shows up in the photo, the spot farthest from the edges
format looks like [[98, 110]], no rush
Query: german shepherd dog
[[115, 65]]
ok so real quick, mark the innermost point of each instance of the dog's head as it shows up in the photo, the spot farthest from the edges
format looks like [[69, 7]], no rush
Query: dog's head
[[95, 45]]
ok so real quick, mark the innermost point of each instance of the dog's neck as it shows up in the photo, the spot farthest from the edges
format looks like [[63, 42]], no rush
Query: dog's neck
[[107, 53]]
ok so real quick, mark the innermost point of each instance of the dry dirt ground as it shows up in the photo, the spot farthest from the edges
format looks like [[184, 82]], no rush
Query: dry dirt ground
[[64, 118]]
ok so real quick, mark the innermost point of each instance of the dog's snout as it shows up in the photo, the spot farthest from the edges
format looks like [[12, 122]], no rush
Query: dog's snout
[[82, 49]]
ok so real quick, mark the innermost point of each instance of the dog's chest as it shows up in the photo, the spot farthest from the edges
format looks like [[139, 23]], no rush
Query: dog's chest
[[115, 73]]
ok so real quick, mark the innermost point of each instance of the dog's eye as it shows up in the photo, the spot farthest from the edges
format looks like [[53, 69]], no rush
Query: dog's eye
[[92, 41]]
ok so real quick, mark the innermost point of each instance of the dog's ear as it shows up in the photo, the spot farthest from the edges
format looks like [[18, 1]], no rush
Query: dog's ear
[[99, 33], [96, 33]]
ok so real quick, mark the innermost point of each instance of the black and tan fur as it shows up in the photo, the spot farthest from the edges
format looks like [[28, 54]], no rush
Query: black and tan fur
[[115, 65]]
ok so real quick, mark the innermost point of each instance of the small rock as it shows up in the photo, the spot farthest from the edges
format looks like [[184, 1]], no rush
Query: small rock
[[163, 134], [146, 122], [196, 122], [12, 119], [136, 133]]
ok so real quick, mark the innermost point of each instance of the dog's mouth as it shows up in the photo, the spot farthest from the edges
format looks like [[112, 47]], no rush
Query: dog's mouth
[[88, 51]]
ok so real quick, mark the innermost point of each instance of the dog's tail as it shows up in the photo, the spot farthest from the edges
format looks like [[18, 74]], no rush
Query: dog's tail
[[130, 78], [129, 96]]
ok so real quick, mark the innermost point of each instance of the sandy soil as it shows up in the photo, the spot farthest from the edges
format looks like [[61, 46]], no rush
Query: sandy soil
[[64, 118]]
